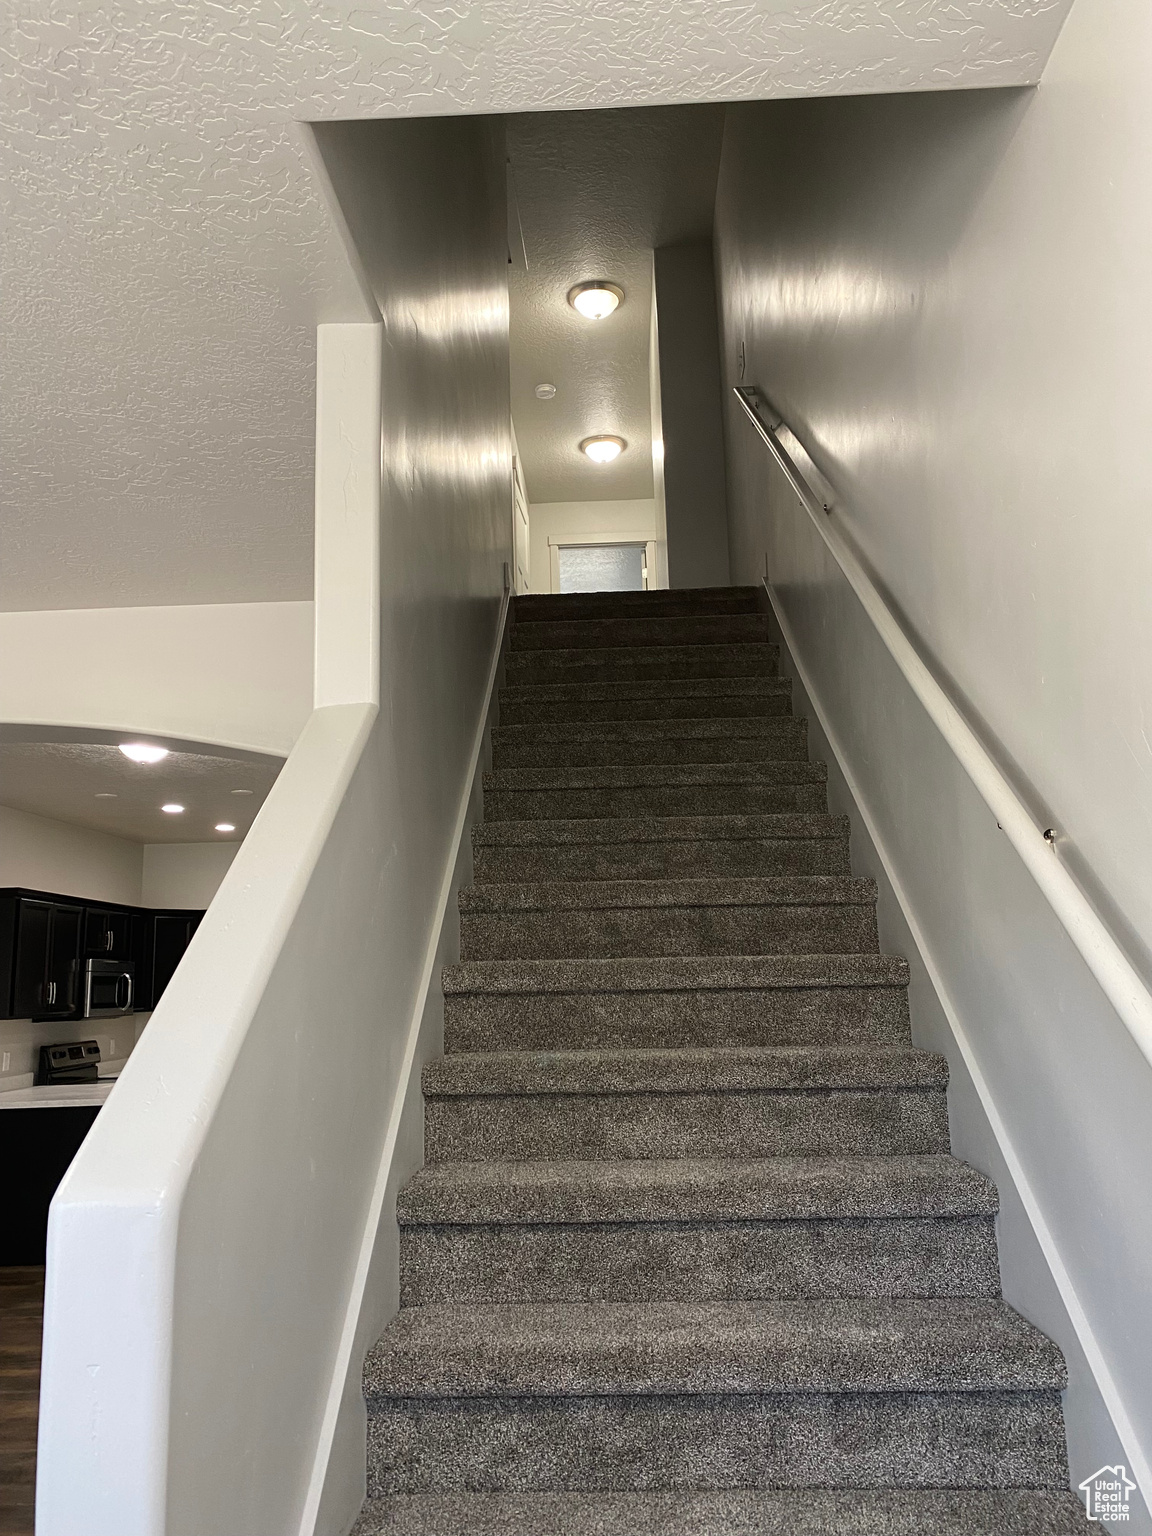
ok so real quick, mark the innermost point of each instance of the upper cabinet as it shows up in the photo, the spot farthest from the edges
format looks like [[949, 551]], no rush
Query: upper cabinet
[[39, 955], [107, 933], [46, 942]]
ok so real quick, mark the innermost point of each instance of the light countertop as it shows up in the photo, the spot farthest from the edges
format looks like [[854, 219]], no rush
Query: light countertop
[[58, 1096]]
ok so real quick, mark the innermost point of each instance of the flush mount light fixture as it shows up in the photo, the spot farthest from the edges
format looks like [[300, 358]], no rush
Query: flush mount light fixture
[[172, 810], [603, 449], [105, 794], [596, 300], [240, 791], [225, 826], [142, 752], [545, 391]]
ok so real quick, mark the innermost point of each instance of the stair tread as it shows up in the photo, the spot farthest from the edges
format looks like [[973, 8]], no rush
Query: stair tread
[[643, 629], [561, 1349], [688, 728], [731, 1512], [559, 831], [696, 1189], [668, 654], [675, 973], [646, 688], [772, 771], [693, 1224], [685, 1069], [717, 891], [649, 598]]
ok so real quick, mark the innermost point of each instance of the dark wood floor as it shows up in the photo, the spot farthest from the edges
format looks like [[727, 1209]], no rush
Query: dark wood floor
[[21, 1316]]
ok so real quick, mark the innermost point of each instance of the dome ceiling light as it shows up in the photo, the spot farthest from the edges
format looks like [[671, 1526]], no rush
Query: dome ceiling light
[[604, 448], [597, 299], [142, 752], [545, 391]]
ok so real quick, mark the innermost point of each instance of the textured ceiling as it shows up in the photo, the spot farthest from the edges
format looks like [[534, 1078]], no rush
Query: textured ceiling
[[166, 255], [92, 784], [594, 193]]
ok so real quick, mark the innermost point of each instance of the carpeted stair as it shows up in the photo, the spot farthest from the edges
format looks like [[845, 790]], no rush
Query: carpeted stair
[[689, 1255]]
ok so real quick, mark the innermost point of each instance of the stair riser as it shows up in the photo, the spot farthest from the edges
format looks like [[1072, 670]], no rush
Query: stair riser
[[836, 1122], [700, 1261], [624, 932], [652, 1020], [719, 706], [533, 608], [843, 1440], [657, 663], [660, 861], [772, 1512], [611, 634], [788, 744], [654, 800]]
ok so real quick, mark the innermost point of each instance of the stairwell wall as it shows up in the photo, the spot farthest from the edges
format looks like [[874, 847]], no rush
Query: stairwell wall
[[230, 1184], [946, 296]]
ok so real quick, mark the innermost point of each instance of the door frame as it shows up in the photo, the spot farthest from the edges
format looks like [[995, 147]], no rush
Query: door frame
[[580, 540]]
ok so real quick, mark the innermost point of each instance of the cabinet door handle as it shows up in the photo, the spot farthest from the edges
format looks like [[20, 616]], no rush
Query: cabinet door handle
[[108, 938], [51, 993]]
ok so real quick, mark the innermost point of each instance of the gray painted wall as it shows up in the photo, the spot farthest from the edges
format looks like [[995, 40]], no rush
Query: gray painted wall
[[947, 296], [438, 268], [695, 496]]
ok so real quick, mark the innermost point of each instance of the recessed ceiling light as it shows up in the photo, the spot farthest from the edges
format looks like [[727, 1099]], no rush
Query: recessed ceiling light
[[596, 300], [240, 791], [172, 810], [603, 449], [142, 752], [225, 826], [105, 794], [545, 391]]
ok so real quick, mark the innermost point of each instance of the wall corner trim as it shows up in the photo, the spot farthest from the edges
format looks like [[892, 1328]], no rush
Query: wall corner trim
[[348, 496]]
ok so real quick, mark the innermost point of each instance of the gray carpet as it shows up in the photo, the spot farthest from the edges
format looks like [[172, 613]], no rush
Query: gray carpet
[[690, 1254]]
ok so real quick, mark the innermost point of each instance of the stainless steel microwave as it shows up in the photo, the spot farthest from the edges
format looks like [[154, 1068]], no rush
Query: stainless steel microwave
[[107, 988]]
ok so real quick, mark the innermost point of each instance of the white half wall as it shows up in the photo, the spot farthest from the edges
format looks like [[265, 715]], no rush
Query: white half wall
[[232, 674], [946, 296], [48, 855], [570, 522], [184, 874]]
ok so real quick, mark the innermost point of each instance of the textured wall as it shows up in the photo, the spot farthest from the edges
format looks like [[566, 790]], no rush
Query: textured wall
[[948, 297], [166, 256]]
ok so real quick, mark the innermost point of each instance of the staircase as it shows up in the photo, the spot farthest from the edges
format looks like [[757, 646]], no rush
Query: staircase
[[689, 1256]]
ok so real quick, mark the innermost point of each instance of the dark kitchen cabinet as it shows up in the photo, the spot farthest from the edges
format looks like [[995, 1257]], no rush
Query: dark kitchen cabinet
[[107, 933], [171, 934], [140, 954], [36, 1147], [45, 939], [42, 948]]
